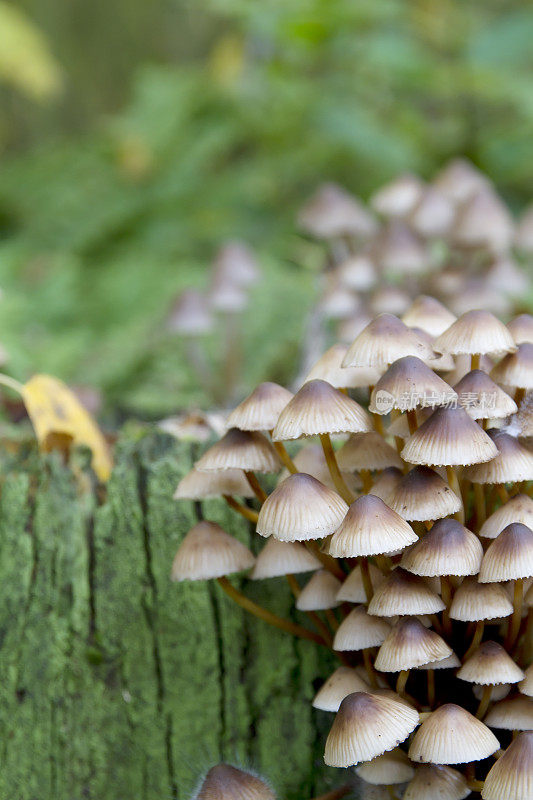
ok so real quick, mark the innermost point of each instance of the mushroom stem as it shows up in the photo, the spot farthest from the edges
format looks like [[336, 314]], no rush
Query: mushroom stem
[[331, 618], [334, 470], [366, 477], [328, 562], [314, 618], [431, 687], [519, 396], [485, 700], [281, 450], [369, 668], [502, 493], [514, 624], [390, 790], [247, 513], [267, 616], [481, 511], [335, 794], [412, 421], [378, 424], [454, 486], [367, 580], [446, 594], [256, 486], [402, 680], [476, 641], [475, 361], [475, 785]]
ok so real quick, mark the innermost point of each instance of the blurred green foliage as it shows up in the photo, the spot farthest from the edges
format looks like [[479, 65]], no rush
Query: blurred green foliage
[[236, 111]]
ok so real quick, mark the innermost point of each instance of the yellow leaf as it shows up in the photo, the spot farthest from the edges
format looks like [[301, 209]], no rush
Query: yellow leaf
[[56, 413]]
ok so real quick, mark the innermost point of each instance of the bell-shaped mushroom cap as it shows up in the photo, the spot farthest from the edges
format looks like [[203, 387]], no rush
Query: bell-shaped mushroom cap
[[328, 368], [484, 221], [427, 313], [391, 299], [475, 601], [403, 593], [516, 369], [383, 341], [513, 463], [388, 769], [353, 590], [366, 726], [319, 408], [283, 558], [526, 686], [518, 509], [481, 398], [447, 549], [459, 180], [511, 777], [224, 782], [225, 295], [360, 630], [423, 495], [319, 593], [190, 314], [408, 645], [337, 302], [358, 272], [509, 556], [450, 735], [385, 484], [474, 333], [196, 485], [437, 782], [449, 438], [248, 450], [433, 215], [398, 197], [332, 212], [367, 451], [344, 681], [490, 664], [521, 328], [261, 409], [409, 384], [301, 508], [369, 528], [237, 263], [450, 662], [208, 552], [514, 714], [400, 251]]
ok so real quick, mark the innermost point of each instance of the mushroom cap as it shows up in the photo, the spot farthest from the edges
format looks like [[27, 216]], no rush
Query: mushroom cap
[[512, 464], [261, 409], [423, 495], [360, 630], [509, 556], [311, 460], [459, 180], [301, 508], [449, 438], [224, 782], [353, 590], [516, 369], [247, 450], [429, 314], [521, 328], [283, 558], [409, 644], [433, 215], [448, 548], [383, 341], [319, 408], [518, 509], [328, 368], [208, 552], [366, 726], [482, 398], [333, 212], [236, 263], [437, 782], [319, 593], [197, 485], [451, 735], [190, 314], [398, 197], [526, 686], [387, 769], [344, 681], [404, 594], [490, 664], [408, 384], [514, 714], [475, 333], [367, 451], [370, 527], [475, 601], [511, 776]]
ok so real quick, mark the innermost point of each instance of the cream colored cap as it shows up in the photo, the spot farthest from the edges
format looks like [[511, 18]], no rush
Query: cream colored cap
[[398, 197], [196, 485], [474, 333], [447, 549], [261, 409], [473, 601], [490, 664], [328, 368], [208, 552], [319, 593], [344, 681], [353, 590], [283, 558], [514, 714], [333, 212], [526, 686], [409, 645], [429, 314], [423, 495], [433, 215], [437, 782], [369, 528], [383, 341], [511, 777], [301, 508], [518, 509], [459, 180], [388, 769], [509, 556], [366, 726], [360, 630], [367, 451], [451, 735], [248, 450], [482, 398], [512, 464], [319, 408], [516, 369], [403, 593], [521, 328], [409, 384]]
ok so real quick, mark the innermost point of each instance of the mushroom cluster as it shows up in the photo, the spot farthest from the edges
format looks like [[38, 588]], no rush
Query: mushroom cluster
[[412, 511]]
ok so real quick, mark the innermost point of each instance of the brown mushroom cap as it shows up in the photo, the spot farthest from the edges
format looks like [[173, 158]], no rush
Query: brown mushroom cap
[[482, 398], [423, 495], [521, 328], [448, 548], [248, 450], [367, 451], [383, 341], [368, 528], [409, 644], [224, 782], [408, 384], [509, 556]]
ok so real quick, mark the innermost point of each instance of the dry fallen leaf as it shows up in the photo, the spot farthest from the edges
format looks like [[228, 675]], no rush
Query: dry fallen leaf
[[56, 413]]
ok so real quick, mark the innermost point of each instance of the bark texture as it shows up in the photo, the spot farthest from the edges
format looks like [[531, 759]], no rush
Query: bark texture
[[117, 683]]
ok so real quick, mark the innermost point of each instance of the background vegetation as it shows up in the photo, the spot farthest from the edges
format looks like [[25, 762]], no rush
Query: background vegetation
[[137, 136]]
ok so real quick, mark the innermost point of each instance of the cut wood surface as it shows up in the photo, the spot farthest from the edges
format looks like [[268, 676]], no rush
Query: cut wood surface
[[117, 683]]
